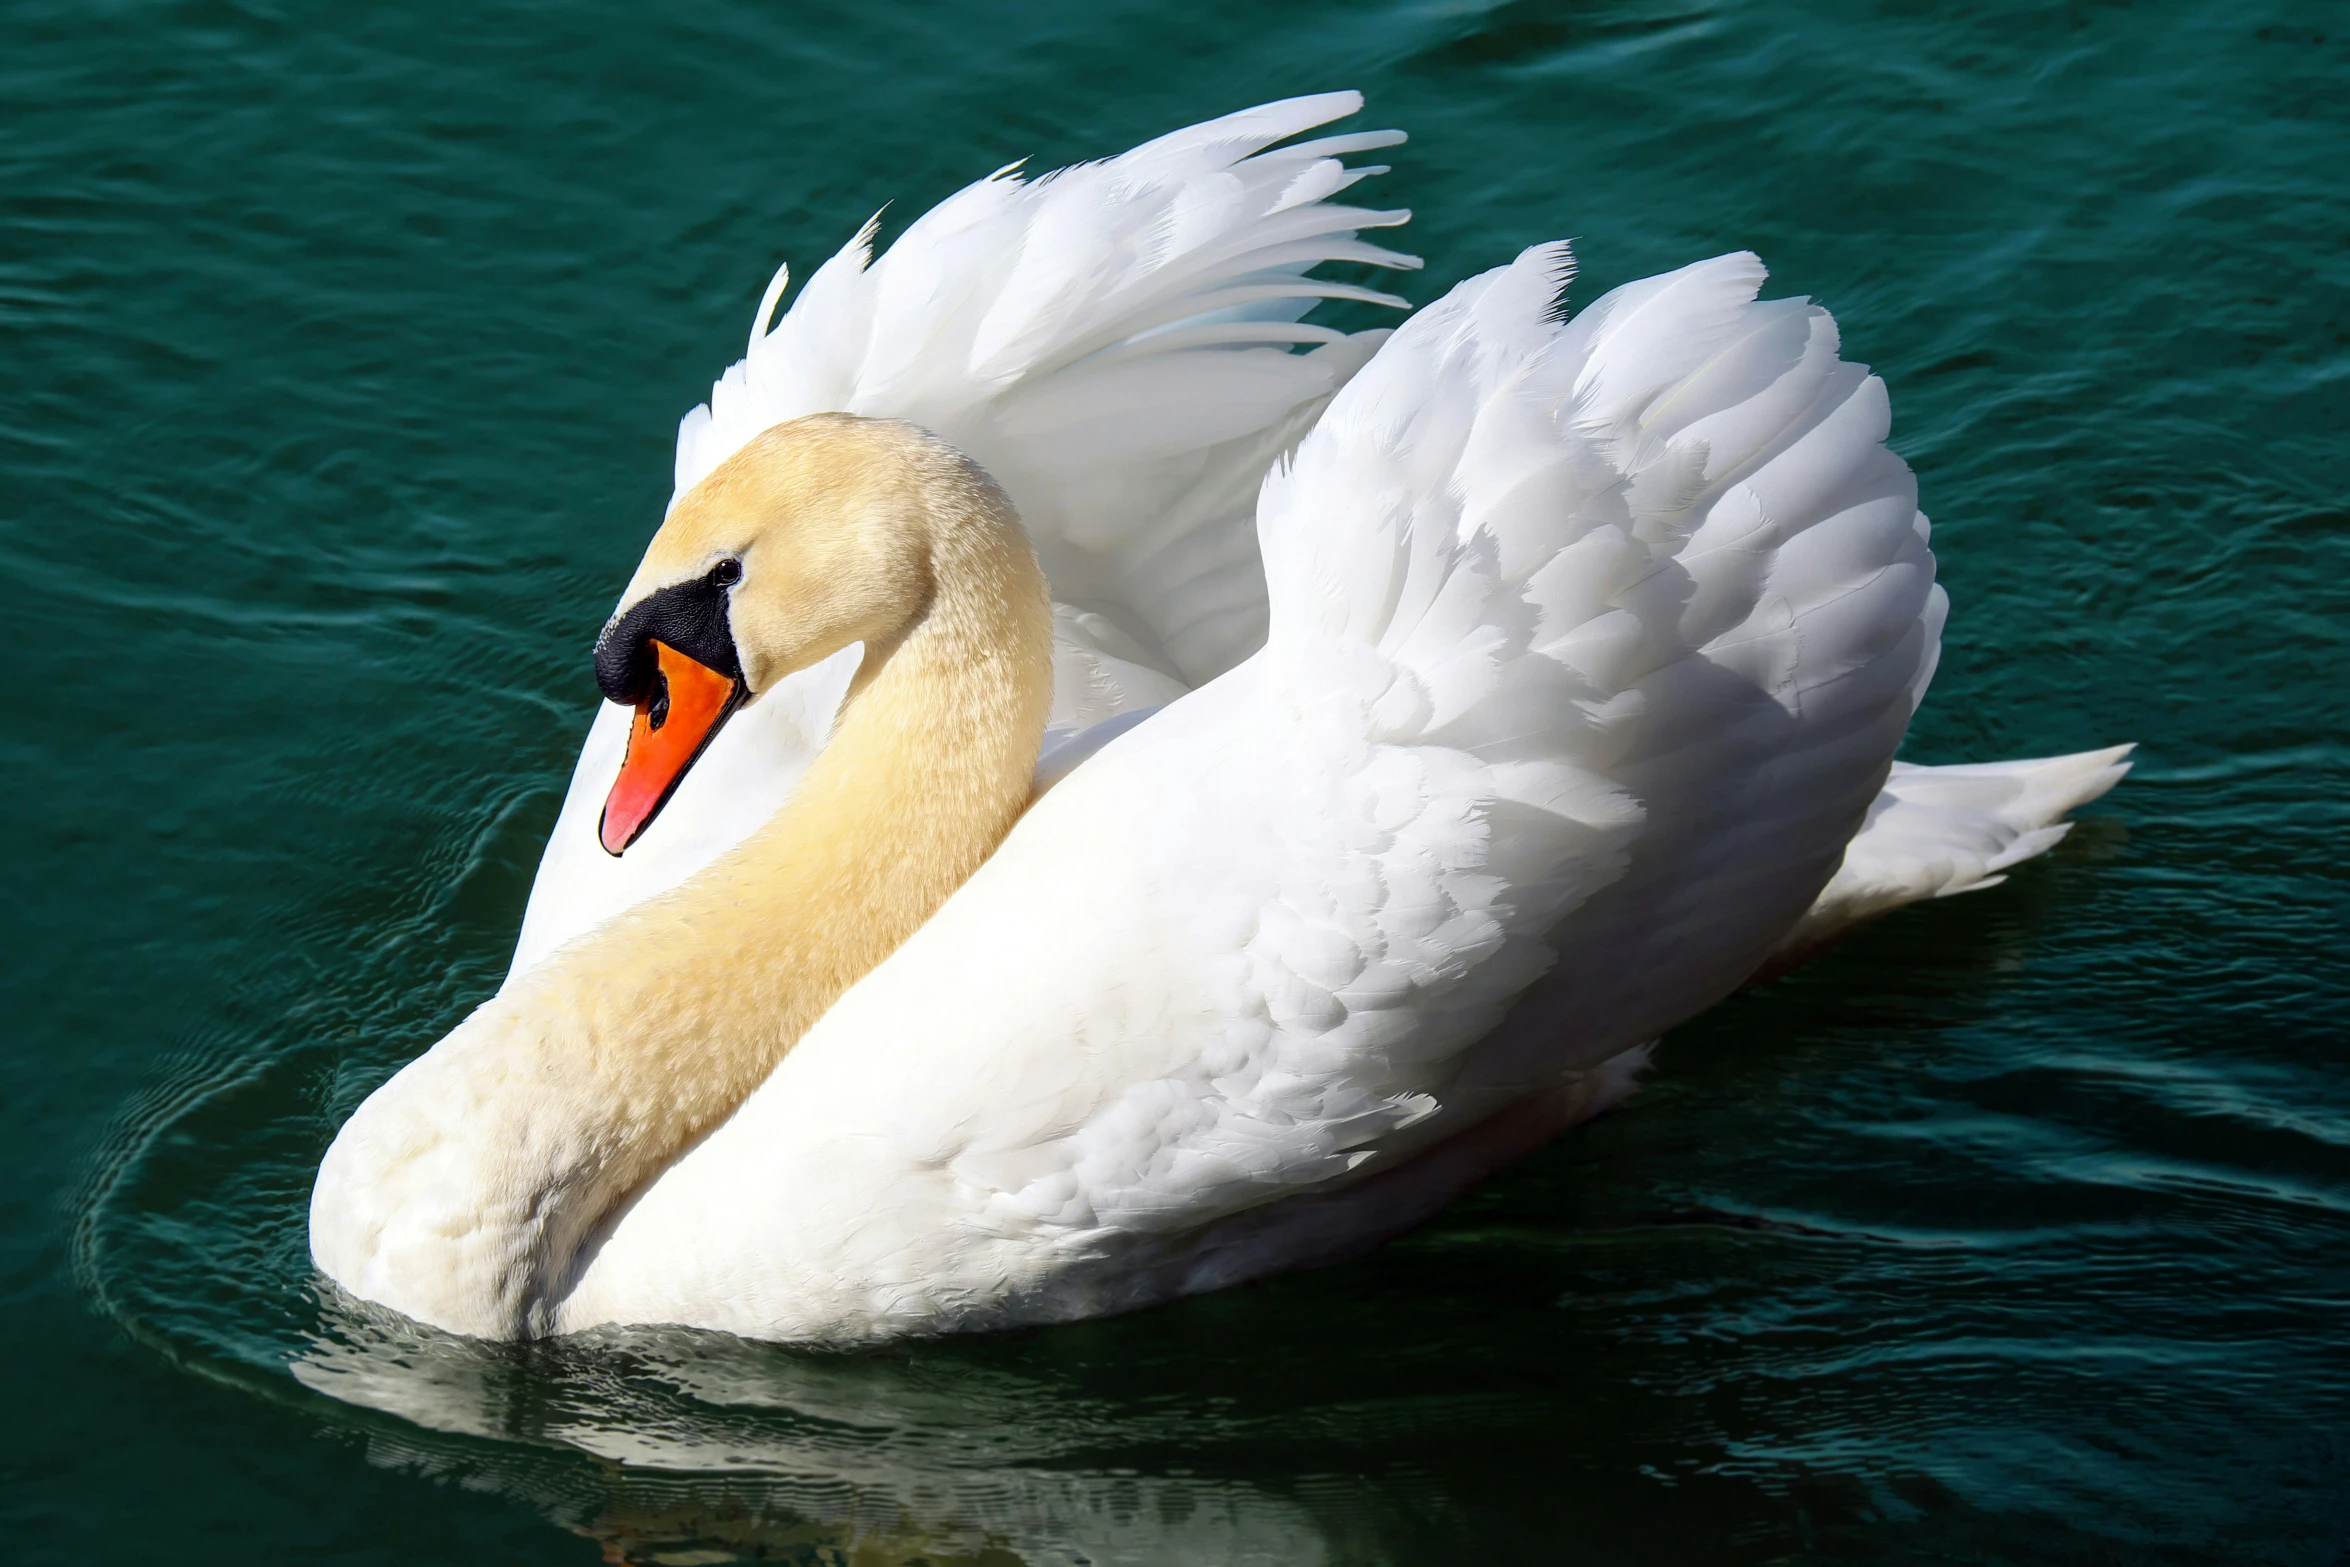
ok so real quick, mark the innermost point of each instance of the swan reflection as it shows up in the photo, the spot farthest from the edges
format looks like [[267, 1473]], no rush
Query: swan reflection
[[703, 1448]]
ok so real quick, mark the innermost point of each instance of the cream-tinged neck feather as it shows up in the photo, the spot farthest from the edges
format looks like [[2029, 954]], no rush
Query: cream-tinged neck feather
[[576, 1085]]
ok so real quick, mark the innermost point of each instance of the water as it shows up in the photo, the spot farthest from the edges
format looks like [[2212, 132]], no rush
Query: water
[[344, 345]]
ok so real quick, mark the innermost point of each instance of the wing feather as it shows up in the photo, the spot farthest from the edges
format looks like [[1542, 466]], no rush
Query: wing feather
[[1085, 333]]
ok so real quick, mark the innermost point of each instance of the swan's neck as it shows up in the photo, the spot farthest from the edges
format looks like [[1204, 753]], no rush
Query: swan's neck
[[619, 1051], [928, 768]]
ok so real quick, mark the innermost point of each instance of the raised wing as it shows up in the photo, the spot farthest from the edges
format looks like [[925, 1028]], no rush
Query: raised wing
[[1589, 647], [1764, 653], [1112, 342], [1115, 343]]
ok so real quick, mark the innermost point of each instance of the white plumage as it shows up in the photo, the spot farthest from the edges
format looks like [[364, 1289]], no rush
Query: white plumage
[[1560, 672]]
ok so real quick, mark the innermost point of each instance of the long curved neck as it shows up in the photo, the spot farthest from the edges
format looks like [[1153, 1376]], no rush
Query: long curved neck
[[927, 769], [657, 1026]]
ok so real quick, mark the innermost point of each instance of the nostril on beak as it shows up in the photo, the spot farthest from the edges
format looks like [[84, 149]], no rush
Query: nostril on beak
[[657, 701]]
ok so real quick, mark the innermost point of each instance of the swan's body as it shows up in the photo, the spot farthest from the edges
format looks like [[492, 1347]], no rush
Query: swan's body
[[1575, 662]]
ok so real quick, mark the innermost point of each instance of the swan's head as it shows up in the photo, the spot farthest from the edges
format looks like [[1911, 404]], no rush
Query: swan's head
[[817, 534]]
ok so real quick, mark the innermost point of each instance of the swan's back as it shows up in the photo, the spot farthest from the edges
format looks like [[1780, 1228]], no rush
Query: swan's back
[[1589, 647]]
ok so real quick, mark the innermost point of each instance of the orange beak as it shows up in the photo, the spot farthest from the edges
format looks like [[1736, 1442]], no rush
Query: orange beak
[[674, 724]]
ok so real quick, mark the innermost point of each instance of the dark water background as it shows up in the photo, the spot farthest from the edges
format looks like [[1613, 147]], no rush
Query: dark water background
[[342, 350]]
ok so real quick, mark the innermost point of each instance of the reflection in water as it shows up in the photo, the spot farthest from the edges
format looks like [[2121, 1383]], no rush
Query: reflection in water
[[715, 1449]]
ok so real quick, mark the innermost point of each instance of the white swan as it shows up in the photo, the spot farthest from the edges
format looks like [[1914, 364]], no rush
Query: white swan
[[1574, 662]]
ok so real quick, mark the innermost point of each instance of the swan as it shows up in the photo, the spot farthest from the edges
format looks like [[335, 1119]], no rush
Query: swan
[[1095, 804]]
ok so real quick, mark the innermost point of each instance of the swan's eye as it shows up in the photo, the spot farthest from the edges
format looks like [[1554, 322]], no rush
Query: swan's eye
[[727, 573]]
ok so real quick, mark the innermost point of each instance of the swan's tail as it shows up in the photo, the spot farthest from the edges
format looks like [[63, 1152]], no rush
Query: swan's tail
[[1938, 831]]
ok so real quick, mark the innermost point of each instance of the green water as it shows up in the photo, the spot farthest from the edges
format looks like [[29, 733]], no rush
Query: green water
[[342, 351]]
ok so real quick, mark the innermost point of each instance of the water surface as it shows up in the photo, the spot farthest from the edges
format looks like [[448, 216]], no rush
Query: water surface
[[344, 346]]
